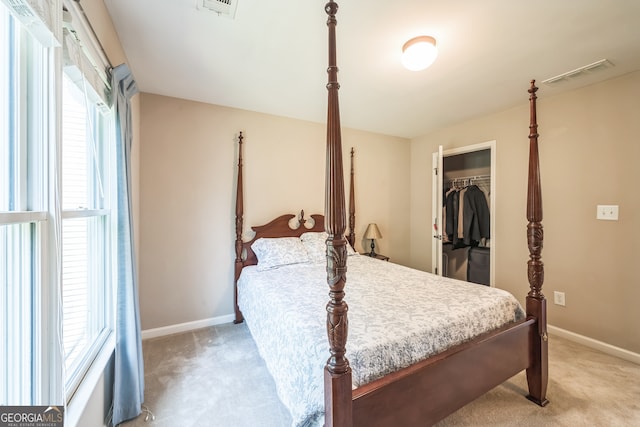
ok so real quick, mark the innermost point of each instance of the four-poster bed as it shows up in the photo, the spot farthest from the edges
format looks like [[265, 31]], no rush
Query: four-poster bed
[[408, 388]]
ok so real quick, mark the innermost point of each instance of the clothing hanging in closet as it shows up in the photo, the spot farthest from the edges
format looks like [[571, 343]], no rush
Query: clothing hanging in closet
[[466, 217]]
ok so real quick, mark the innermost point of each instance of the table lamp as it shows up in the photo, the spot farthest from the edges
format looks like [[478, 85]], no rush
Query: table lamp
[[372, 233]]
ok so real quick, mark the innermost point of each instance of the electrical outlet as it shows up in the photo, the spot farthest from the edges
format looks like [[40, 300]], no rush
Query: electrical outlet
[[607, 212], [558, 298]]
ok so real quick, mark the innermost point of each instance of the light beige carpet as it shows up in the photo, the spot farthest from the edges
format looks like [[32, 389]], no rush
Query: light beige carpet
[[214, 377], [586, 388]]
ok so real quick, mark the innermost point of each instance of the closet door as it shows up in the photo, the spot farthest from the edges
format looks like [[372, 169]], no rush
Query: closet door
[[436, 212]]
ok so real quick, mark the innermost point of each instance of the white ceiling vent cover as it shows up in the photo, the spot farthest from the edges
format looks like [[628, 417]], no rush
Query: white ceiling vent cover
[[221, 7], [578, 72]]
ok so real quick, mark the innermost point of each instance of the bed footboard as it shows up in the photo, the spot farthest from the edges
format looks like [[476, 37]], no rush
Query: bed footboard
[[427, 392]]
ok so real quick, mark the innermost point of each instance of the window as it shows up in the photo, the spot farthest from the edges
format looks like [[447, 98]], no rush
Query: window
[[56, 156], [24, 282], [86, 254]]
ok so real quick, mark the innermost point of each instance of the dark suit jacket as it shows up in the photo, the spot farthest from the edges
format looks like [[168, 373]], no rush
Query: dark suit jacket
[[476, 216]]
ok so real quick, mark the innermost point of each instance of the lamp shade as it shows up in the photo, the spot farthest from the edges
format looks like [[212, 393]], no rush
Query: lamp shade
[[372, 232], [419, 53]]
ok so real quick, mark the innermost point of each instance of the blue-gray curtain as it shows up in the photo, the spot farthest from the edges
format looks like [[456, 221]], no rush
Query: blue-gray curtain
[[128, 389]]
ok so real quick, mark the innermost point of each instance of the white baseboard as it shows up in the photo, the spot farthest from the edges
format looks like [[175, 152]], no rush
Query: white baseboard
[[188, 326], [595, 344]]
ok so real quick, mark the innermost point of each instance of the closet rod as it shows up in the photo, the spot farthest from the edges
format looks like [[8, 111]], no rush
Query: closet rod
[[471, 178]]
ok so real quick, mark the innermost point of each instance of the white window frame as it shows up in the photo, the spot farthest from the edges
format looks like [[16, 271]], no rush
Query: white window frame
[[43, 21], [100, 158], [34, 81], [92, 63]]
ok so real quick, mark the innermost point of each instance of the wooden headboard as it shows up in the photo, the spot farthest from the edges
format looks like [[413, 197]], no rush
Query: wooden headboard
[[281, 227]]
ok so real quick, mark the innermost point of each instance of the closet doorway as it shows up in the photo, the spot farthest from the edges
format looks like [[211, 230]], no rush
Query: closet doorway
[[463, 243]]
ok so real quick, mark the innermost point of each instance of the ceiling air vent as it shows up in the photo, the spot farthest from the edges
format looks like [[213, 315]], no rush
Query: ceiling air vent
[[578, 72], [221, 7]]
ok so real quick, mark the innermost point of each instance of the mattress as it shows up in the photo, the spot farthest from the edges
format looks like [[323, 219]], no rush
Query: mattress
[[397, 317]]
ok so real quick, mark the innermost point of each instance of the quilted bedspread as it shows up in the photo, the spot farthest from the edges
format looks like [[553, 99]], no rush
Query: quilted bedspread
[[397, 316]]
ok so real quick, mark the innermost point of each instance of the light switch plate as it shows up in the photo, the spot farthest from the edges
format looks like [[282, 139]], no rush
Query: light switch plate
[[607, 212], [558, 298]]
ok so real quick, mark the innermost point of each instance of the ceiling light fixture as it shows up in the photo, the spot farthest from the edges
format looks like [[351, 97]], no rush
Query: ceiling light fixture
[[419, 52]]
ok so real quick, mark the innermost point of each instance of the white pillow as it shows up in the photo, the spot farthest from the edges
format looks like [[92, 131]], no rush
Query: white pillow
[[279, 251], [316, 246]]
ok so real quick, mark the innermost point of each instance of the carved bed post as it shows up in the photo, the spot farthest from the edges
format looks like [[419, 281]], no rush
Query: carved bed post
[[352, 207], [337, 372], [536, 303], [239, 213]]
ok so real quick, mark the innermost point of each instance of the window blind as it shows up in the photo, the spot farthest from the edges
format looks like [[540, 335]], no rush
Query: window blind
[[40, 17]]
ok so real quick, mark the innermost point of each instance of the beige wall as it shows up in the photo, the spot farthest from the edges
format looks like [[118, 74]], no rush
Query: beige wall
[[187, 186], [187, 206], [589, 152]]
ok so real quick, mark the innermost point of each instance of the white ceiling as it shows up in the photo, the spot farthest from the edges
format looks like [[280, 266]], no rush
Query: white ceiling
[[272, 57]]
